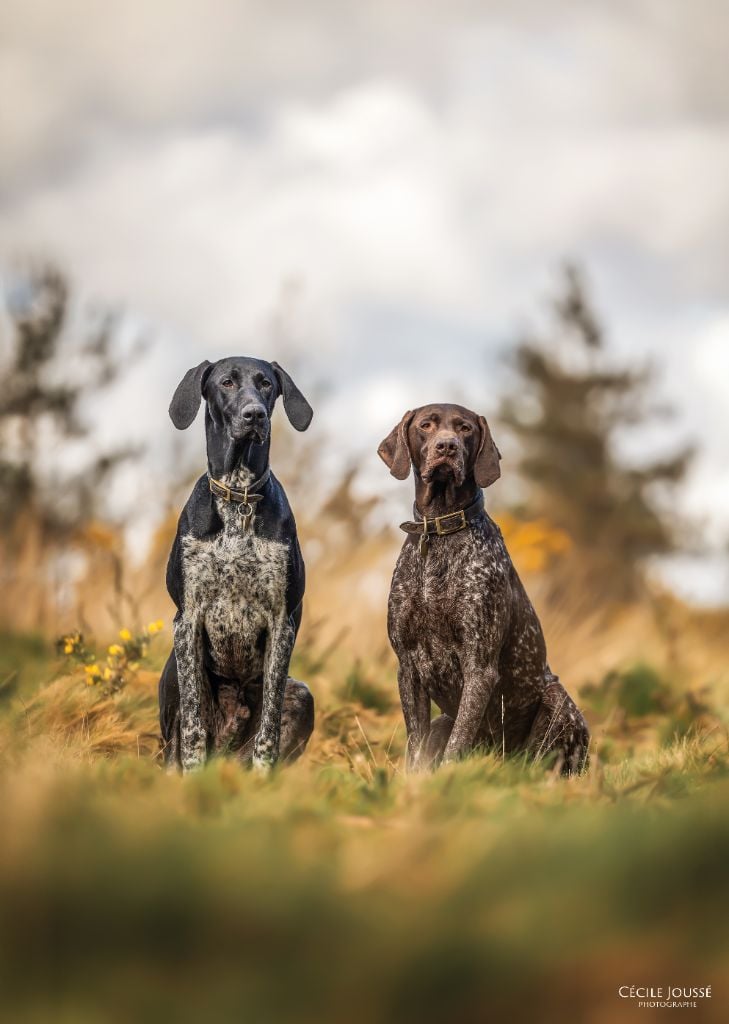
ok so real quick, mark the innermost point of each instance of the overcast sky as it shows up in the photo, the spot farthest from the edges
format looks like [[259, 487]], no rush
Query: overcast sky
[[403, 179]]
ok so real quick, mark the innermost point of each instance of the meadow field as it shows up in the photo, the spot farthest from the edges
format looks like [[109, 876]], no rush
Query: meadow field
[[342, 889]]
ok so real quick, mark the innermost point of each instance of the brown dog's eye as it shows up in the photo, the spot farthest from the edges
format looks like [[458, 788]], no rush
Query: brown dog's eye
[[425, 424], [466, 428], [227, 383]]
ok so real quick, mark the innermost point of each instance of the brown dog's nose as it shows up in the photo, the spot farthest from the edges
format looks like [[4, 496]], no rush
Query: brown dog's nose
[[446, 445]]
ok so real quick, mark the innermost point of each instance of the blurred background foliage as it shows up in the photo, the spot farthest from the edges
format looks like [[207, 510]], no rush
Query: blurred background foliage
[[578, 512]]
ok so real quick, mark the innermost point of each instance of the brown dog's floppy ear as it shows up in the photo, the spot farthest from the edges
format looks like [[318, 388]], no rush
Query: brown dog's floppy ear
[[186, 399], [395, 451], [486, 467], [297, 408]]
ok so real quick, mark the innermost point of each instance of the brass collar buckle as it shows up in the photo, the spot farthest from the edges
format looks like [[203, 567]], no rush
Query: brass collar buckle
[[246, 500], [460, 523], [443, 526]]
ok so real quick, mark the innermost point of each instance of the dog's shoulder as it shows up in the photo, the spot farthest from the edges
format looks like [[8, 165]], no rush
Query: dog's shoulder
[[275, 518], [277, 524], [199, 519]]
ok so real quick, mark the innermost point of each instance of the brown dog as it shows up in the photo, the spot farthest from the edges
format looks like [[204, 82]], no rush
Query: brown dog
[[464, 631]]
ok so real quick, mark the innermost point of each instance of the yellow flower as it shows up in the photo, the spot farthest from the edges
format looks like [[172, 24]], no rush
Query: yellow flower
[[155, 627], [107, 673], [92, 670], [90, 681], [68, 648], [125, 635], [116, 649]]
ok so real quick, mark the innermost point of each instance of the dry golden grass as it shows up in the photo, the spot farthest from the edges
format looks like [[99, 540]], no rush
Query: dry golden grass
[[341, 888]]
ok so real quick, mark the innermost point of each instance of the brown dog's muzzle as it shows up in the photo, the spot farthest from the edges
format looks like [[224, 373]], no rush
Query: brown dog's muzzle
[[445, 451]]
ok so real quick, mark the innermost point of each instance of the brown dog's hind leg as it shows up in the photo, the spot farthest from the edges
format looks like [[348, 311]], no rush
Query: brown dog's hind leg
[[440, 732], [559, 729]]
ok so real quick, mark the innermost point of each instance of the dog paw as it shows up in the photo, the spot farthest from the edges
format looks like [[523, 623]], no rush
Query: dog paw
[[265, 754]]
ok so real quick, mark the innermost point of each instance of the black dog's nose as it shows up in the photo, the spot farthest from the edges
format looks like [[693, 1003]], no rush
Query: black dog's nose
[[446, 445], [253, 415]]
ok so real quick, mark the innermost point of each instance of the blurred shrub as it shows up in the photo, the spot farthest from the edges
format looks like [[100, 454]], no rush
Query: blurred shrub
[[640, 699], [359, 688], [638, 690]]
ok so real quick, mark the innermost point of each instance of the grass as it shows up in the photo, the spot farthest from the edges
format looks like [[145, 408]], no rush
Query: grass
[[342, 889]]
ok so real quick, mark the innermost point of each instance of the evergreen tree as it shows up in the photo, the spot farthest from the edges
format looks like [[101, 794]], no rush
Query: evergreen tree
[[566, 411], [47, 372]]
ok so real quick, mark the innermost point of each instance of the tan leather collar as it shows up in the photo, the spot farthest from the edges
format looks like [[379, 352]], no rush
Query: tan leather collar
[[451, 522], [443, 526], [249, 493], [245, 499]]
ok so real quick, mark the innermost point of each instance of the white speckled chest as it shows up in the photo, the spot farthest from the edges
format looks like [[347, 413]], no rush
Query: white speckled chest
[[235, 585]]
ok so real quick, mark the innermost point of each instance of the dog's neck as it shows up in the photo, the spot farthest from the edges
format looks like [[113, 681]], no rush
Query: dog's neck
[[237, 463], [440, 496]]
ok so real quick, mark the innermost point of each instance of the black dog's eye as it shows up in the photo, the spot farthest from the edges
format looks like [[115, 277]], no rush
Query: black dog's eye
[[227, 383], [466, 428], [266, 384]]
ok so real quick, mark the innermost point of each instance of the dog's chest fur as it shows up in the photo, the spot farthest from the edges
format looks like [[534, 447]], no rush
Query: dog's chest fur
[[235, 583], [446, 610]]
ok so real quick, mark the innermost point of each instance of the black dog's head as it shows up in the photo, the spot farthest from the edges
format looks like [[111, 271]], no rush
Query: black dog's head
[[240, 395], [443, 442]]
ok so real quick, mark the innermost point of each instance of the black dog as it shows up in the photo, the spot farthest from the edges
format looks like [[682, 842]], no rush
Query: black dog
[[464, 631], [236, 576]]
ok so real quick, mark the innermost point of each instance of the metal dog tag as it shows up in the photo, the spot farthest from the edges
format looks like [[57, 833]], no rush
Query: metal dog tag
[[245, 511]]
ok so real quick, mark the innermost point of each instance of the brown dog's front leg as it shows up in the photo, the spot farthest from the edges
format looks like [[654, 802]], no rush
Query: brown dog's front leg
[[416, 711], [478, 685]]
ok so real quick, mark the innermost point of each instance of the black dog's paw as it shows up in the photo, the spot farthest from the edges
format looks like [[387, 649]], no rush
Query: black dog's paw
[[265, 753]]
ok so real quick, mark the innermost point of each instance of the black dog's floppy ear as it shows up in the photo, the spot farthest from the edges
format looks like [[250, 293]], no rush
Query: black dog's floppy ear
[[186, 399], [486, 468], [395, 451], [297, 408]]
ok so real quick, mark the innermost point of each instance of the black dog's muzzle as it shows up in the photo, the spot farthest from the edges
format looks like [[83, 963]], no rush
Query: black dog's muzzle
[[251, 423]]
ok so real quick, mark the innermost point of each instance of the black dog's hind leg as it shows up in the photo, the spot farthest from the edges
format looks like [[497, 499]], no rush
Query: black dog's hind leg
[[297, 723], [297, 720]]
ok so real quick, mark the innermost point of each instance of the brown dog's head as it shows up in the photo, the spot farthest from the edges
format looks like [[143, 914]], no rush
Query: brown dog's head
[[443, 442]]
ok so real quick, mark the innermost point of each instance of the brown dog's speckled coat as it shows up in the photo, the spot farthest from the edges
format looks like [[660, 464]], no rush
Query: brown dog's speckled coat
[[464, 630]]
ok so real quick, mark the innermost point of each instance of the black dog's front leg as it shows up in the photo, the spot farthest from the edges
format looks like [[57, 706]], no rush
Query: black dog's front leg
[[280, 644], [190, 673]]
